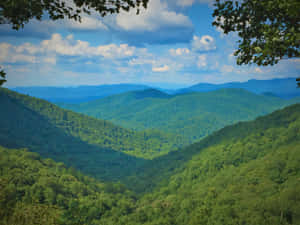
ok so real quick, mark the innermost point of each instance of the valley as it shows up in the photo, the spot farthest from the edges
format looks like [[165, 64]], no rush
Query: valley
[[149, 112], [221, 178], [190, 115]]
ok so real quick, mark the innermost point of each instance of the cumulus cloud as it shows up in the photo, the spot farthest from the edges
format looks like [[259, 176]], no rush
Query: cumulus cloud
[[188, 3], [70, 47], [68, 51], [185, 3], [179, 51], [164, 68], [156, 16], [204, 43], [202, 61], [156, 24], [10, 54]]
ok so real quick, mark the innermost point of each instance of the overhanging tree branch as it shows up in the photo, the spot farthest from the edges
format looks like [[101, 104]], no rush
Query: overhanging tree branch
[[269, 29], [19, 12]]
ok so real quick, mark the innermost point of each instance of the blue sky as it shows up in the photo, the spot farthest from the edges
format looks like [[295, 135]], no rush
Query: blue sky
[[171, 44]]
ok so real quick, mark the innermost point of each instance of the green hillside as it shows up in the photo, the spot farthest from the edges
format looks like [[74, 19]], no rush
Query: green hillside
[[94, 146], [193, 115], [279, 127], [37, 191], [248, 173]]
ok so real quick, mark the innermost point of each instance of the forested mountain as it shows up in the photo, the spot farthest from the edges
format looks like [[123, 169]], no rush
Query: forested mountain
[[94, 146], [247, 173], [284, 87], [40, 191], [192, 115], [78, 94]]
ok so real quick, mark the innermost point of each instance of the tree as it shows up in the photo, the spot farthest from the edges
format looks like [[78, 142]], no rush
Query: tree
[[269, 29], [2, 76], [19, 12]]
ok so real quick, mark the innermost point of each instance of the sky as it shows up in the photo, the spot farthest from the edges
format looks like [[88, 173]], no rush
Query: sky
[[170, 44]]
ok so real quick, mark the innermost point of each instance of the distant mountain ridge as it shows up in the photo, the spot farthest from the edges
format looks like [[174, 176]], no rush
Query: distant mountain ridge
[[285, 88], [192, 115], [77, 94]]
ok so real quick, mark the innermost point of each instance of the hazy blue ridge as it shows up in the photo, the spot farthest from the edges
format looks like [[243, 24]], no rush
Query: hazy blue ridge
[[285, 87], [77, 94]]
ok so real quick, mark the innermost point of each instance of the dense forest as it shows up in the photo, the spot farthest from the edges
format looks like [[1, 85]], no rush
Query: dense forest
[[77, 140], [247, 173], [192, 115], [96, 132]]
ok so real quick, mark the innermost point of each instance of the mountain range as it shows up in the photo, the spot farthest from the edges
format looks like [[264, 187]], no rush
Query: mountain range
[[96, 147], [284, 88], [190, 115], [246, 173], [77, 94]]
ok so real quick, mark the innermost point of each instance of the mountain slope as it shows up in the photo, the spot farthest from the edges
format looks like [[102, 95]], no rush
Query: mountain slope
[[40, 191], [95, 146], [248, 173], [280, 128], [193, 115]]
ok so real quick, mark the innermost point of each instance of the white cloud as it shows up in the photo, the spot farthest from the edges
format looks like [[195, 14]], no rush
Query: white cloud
[[164, 68], [179, 51], [202, 61], [205, 43], [10, 54], [228, 69], [141, 61], [71, 47], [188, 3], [47, 51], [87, 23], [185, 3], [258, 70], [156, 16]]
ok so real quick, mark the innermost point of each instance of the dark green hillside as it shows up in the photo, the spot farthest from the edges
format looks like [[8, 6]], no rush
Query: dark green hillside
[[193, 115], [265, 131], [94, 146], [248, 173], [37, 191]]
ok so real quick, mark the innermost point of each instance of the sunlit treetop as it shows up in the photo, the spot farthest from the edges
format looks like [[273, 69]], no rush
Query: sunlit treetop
[[19, 12]]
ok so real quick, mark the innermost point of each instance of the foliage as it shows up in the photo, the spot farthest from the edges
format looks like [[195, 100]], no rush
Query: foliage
[[95, 147], [18, 13], [2, 76], [96, 132], [192, 115], [247, 173], [158, 171], [37, 191], [269, 29]]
